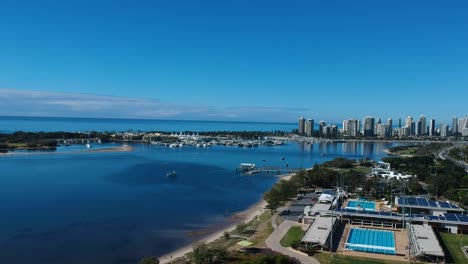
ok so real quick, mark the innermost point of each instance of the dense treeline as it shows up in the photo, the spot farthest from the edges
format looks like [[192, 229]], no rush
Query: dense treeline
[[44, 140], [419, 150], [341, 163], [320, 176], [459, 153], [442, 176], [418, 165]]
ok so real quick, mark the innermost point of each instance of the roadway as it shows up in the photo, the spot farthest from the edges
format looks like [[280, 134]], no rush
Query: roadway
[[294, 209], [273, 241]]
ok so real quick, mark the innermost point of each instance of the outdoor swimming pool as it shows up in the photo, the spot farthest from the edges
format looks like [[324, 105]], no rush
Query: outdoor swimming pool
[[363, 205], [370, 240]]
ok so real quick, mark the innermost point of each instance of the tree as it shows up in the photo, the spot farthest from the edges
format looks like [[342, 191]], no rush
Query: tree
[[149, 260]]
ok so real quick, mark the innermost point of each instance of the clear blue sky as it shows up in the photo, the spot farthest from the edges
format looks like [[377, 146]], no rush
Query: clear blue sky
[[235, 60]]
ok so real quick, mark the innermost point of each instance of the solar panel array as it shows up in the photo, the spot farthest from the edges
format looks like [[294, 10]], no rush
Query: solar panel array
[[445, 217], [424, 202]]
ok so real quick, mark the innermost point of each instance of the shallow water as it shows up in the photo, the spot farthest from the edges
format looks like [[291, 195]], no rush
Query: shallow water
[[118, 207]]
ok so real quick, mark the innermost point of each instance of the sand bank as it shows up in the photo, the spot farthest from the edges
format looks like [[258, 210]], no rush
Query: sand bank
[[123, 148], [244, 216]]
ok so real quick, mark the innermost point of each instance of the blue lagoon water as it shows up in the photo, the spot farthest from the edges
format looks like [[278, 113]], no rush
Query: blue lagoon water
[[118, 207]]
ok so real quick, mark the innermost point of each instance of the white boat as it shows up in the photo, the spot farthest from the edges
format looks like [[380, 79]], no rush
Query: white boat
[[171, 174], [88, 145]]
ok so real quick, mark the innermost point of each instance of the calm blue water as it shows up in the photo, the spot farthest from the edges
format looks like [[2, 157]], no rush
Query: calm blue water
[[118, 207], [365, 205], [69, 124], [369, 240]]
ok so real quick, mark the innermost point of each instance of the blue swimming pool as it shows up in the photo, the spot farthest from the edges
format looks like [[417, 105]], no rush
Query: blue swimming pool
[[370, 240], [363, 205]]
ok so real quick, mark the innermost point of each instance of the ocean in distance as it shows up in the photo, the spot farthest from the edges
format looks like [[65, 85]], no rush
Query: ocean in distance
[[118, 207], [9, 124]]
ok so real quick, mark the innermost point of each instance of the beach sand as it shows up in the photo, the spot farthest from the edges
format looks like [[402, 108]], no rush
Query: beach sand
[[244, 216], [123, 148]]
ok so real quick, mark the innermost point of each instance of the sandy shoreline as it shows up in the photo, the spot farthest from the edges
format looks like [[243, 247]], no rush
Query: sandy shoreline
[[243, 216], [123, 148]]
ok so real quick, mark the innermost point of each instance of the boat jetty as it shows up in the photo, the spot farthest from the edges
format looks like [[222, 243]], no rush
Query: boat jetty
[[251, 169]]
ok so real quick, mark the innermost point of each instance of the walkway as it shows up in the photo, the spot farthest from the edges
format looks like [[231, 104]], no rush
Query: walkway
[[279, 231]]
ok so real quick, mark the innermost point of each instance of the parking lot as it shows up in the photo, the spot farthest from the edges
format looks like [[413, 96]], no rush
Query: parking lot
[[296, 207]]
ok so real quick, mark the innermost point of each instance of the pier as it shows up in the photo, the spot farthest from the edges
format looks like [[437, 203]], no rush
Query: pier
[[269, 170]]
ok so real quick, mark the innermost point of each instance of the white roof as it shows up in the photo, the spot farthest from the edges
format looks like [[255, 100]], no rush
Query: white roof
[[320, 207], [319, 231], [425, 241]]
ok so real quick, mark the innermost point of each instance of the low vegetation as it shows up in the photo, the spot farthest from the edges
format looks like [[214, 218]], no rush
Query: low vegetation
[[418, 150], [325, 258], [454, 243], [292, 237]]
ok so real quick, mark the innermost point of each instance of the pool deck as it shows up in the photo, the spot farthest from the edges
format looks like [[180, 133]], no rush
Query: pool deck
[[401, 241]]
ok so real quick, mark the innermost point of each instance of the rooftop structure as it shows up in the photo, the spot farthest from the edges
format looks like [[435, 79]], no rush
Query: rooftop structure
[[319, 231], [327, 196], [424, 203], [424, 242]]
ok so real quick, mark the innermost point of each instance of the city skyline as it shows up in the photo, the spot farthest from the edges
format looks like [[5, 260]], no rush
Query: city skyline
[[239, 61]]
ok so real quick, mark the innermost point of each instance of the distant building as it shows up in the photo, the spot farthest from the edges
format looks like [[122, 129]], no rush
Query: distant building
[[464, 131], [390, 123], [351, 127], [321, 126], [301, 130], [368, 126], [422, 121], [409, 119], [454, 129], [404, 131], [444, 130], [432, 128], [309, 127], [461, 125], [399, 122], [383, 131]]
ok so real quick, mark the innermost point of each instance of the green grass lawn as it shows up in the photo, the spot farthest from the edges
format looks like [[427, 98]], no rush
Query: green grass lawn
[[453, 244], [294, 234], [325, 258]]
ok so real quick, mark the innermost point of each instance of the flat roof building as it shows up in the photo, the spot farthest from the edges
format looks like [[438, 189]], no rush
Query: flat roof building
[[319, 231], [424, 243]]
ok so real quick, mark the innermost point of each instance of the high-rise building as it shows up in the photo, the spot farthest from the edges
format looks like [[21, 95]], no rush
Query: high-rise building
[[454, 125], [461, 125], [301, 126], [345, 126], [379, 121], [351, 127], [409, 119], [390, 123], [444, 130], [418, 128], [321, 126], [432, 128], [399, 122], [309, 127], [368, 126], [383, 131], [413, 128], [464, 130], [422, 120]]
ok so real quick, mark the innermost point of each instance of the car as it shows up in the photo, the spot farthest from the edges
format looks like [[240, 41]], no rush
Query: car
[[284, 212]]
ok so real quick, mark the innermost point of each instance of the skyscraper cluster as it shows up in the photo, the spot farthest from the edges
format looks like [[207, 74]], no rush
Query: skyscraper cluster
[[371, 127]]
